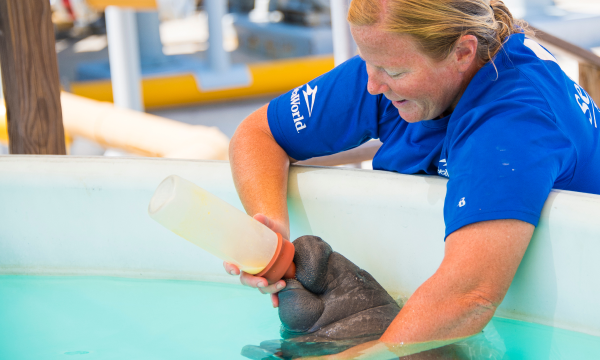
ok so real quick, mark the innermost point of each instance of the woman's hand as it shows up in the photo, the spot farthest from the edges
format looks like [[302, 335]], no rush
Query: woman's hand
[[255, 281]]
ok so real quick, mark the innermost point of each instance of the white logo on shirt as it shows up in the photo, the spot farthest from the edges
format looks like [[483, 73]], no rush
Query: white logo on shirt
[[294, 103], [312, 93], [462, 202], [586, 104], [443, 172], [584, 101]]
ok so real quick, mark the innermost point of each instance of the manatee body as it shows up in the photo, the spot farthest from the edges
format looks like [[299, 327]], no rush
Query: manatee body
[[331, 298]]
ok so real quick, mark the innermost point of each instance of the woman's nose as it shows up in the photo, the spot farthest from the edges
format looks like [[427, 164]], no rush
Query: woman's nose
[[375, 85]]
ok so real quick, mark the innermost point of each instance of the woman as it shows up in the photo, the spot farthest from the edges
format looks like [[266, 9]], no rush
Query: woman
[[453, 88]]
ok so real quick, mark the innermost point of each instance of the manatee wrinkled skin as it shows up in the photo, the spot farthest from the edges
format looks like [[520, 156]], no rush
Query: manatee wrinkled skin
[[331, 298]]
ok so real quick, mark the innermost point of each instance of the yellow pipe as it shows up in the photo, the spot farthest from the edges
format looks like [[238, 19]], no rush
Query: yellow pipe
[[3, 124], [136, 4], [268, 78], [135, 132], [141, 133]]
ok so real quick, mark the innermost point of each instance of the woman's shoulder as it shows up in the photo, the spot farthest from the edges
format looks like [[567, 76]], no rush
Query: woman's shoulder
[[523, 74]]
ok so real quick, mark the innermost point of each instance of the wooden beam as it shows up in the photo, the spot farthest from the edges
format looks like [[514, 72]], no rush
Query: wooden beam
[[135, 4], [584, 55], [589, 63], [30, 78], [589, 79]]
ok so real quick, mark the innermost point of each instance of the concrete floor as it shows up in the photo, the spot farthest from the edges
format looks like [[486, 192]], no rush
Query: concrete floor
[[224, 115]]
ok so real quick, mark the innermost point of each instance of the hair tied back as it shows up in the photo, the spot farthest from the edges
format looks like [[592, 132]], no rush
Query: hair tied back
[[436, 25]]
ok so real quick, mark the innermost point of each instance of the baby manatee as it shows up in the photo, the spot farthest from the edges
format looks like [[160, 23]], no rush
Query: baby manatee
[[331, 298]]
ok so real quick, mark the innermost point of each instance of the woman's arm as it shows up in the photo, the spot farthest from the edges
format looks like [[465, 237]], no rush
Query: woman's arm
[[459, 300], [260, 173], [260, 169]]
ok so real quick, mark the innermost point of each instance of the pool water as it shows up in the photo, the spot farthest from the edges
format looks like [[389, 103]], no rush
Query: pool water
[[115, 318]]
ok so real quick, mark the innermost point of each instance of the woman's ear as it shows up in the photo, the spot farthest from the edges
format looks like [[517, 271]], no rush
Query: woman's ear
[[465, 52]]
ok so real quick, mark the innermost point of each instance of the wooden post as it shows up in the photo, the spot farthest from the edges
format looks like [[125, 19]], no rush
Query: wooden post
[[30, 78], [589, 79]]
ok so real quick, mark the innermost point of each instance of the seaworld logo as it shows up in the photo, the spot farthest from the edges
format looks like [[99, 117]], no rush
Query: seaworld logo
[[312, 93], [295, 103], [443, 172]]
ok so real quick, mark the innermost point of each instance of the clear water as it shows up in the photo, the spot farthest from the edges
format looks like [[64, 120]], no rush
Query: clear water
[[113, 318]]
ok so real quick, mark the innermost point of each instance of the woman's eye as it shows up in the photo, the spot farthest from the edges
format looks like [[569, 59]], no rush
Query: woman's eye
[[393, 75]]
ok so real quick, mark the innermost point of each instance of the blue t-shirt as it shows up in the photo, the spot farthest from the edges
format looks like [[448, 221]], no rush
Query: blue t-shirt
[[520, 129]]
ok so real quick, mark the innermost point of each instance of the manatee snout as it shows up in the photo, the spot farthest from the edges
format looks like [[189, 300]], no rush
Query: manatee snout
[[331, 298]]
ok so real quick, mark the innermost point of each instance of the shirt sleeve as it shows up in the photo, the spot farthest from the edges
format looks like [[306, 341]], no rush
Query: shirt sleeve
[[503, 161], [330, 114]]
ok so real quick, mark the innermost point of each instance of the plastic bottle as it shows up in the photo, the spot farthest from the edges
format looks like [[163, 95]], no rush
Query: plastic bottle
[[221, 229]]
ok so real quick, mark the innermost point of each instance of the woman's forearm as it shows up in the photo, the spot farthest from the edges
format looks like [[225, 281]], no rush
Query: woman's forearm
[[436, 311], [479, 264], [260, 169]]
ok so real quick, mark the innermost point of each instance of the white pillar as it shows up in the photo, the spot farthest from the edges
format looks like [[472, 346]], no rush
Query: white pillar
[[151, 48], [218, 58], [124, 57], [260, 13], [343, 45]]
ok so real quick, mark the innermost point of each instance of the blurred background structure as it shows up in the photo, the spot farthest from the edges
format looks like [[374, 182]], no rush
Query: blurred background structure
[[202, 66]]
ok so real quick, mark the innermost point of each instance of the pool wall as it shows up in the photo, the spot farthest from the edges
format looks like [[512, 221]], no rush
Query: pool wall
[[88, 216]]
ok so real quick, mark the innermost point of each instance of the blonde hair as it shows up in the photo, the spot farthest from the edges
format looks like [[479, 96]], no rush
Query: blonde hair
[[437, 25]]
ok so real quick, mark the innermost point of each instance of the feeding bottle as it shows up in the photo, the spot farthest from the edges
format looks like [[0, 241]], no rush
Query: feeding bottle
[[221, 229]]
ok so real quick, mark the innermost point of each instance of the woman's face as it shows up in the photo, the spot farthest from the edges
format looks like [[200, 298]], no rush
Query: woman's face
[[419, 87]]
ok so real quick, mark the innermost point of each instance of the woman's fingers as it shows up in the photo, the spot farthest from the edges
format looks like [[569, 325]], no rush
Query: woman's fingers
[[258, 282], [261, 283], [253, 281], [230, 268], [271, 224], [263, 219]]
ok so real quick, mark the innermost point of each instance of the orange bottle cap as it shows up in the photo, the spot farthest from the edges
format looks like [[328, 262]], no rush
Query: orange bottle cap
[[282, 264]]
